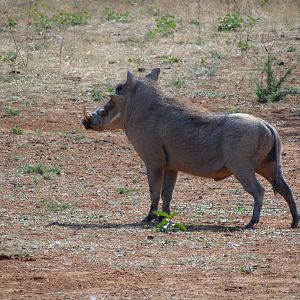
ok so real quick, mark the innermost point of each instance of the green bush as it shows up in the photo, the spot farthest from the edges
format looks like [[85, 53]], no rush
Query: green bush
[[272, 90], [230, 22]]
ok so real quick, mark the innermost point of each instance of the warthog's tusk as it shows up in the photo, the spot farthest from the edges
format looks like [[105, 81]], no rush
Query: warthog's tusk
[[85, 114]]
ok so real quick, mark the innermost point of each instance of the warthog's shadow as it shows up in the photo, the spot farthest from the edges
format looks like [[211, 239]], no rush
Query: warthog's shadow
[[189, 228]]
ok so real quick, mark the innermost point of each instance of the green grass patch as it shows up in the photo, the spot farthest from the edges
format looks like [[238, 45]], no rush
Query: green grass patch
[[131, 40], [53, 205], [11, 111], [62, 20], [10, 56], [291, 48], [111, 15], [170, 60], [177, 83], [8, 78], [17, 130], [45, 171], [165, 26]]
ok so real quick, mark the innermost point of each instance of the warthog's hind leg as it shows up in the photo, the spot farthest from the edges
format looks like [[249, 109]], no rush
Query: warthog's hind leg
[[285, 191], [280, 186], [254, 188]]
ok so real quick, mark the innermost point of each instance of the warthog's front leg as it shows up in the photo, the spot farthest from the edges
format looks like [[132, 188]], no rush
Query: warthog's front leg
[[155, 180], [167, 190]]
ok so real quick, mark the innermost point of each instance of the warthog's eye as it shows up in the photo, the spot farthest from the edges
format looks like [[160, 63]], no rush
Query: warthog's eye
[[119, 88], [103, 112]]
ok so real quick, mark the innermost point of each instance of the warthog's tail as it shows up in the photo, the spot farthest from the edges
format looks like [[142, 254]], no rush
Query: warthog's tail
[[276, 155]]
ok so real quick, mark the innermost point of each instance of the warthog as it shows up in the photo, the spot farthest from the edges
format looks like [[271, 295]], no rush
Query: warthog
[[170, 137]]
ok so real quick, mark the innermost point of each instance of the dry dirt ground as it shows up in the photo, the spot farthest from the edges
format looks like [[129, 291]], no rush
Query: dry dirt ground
[[74, 231]]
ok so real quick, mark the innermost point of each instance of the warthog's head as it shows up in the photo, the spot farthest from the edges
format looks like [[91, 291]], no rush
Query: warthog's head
[[107, 118], [113, 114]]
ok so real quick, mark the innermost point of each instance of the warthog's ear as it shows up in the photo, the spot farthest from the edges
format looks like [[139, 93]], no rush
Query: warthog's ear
[[154, 74], [131, 80], [117, 99]]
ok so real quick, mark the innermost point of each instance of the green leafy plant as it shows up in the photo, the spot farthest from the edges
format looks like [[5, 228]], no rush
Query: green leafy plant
[[17, 130], [272, 90], [168, 224], [291, 48], [165, 26], [42, 21], [10, 57], [12, 23], [70, 19], [230, 22], [98, 94], [110, 15]]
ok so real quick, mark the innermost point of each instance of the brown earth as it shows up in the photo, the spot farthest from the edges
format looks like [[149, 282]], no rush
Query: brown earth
[[77, 234]]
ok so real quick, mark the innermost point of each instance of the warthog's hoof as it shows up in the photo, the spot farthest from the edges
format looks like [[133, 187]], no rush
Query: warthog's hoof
[[295, 222], [249, 226], [149, 219]]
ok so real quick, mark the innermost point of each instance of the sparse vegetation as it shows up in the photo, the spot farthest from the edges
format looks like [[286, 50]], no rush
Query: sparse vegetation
[[230, 22], [168, 224], [291, 48], [165, 26], [17, 130], [243, 46], [177, 83], [169, 59], [124, 191], [41, 169], [53, 205], [98, 94], [63, 19], [270, 88], [9, 57], [110, 15], [11, 111], [12, 23]]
